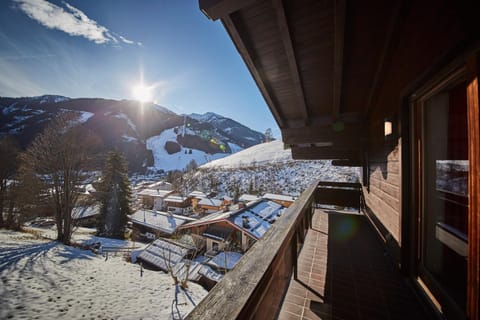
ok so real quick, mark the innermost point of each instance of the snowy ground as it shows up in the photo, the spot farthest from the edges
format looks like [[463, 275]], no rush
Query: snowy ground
[[179, 160], [260, 154], [267, 168], [43, 279]]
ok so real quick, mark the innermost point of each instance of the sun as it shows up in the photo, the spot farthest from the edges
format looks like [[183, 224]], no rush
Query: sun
[[142, 93]]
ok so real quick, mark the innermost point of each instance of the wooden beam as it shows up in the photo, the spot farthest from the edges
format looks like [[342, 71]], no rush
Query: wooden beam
[[339, 39], [347, 163], [350, 134], [346, 118], [318, 153], [390, 44], [248, 57], [292, 59], [473, 261], [217, 9]]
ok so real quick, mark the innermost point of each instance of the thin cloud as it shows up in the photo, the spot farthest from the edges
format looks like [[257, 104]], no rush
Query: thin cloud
[[28, 57], [69, 20], [125, 40]]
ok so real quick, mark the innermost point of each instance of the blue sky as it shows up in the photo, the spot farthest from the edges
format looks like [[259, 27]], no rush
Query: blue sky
[[105, 48]]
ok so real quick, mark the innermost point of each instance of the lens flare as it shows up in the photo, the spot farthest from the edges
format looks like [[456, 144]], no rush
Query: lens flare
[[142, 93]]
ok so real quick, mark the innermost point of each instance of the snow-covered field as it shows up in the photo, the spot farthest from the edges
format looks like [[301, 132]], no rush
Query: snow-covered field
[[264, 153], [43, 279]]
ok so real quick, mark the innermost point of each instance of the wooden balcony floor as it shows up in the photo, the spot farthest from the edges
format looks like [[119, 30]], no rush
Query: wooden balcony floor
[[344, 273]]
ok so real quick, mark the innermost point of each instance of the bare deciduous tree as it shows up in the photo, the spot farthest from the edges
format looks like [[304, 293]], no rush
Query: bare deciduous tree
[[8, 168], [56, 162]]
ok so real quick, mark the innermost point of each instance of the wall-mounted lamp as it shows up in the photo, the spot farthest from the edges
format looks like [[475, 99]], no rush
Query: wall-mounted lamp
[[387, 127]]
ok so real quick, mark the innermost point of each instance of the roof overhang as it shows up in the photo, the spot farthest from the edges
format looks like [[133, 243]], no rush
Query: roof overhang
[[305, 58]]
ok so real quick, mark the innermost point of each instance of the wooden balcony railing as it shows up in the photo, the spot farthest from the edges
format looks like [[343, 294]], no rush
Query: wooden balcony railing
[[255, 288]]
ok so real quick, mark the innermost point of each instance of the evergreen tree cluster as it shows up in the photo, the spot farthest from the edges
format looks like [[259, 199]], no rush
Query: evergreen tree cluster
[[115, 196]]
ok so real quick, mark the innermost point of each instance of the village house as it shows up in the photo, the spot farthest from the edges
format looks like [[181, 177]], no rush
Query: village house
[[209, 205], [227, 201], [284, 200], [177, 204], [153, 198], [235, 230], [151, 224], [195, 197], [85, 216], [164, 254]]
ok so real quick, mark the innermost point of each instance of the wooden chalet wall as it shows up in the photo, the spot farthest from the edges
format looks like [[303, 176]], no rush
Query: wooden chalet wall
[[382, 191], [423, 38]]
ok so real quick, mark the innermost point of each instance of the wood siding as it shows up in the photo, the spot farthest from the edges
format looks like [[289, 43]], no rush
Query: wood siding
[[382, 195]]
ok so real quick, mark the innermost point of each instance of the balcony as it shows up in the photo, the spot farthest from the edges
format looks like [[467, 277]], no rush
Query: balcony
[[317, 262]]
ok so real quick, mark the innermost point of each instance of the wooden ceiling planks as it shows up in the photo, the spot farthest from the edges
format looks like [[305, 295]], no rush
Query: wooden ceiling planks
[[338, 44], [295, 50], [292, 60], [246, 54]]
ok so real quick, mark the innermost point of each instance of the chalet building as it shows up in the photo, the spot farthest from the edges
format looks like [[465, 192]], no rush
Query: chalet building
[[154, 198], [390, 87], [284, 200], [177, 204], [239, 229], [209, 205], [151, 224], [227, 201], [86, 216], [195, 197]]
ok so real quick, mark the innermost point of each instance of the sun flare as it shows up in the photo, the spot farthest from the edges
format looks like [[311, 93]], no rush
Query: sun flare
[[142, 93]]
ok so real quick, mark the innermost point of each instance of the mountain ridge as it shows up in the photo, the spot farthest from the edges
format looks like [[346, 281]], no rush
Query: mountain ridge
[[127, 125]]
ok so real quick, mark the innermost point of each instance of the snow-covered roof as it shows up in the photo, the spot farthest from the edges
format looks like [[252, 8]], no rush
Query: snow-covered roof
[[197, 194], [155, 193], [180, 270], [259, 217], [279, 197], [162, 221], [162, 253], [208, 219], [210, 202], [209, 273], [163, 184], [225, 260], [248, 198], [82, 212], [177, 199]]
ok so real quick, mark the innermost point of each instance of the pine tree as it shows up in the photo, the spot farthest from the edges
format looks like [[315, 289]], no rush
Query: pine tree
[[250, 187], [115, 196]]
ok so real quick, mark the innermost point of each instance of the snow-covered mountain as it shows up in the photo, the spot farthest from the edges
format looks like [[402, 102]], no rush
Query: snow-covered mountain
[[267, 167], [244, 136], [141, 132]]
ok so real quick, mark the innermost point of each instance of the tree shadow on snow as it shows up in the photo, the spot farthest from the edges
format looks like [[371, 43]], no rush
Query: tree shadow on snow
[[10, 257]]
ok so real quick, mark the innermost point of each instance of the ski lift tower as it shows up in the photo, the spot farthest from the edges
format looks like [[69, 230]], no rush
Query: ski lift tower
[[184, 124]]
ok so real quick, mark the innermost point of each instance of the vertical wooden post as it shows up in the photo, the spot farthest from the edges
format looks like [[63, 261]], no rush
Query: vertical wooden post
[[473, 264], [294, 255]]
